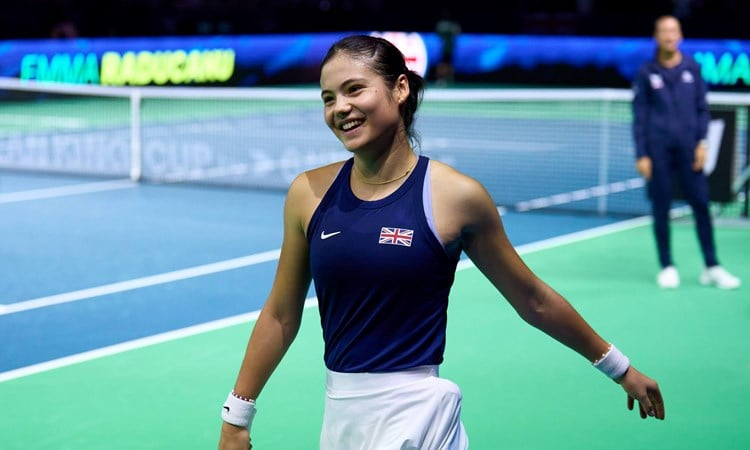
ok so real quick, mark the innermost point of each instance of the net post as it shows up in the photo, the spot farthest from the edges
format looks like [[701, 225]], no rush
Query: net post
[[604, 141], [135, 135], [746, 207]]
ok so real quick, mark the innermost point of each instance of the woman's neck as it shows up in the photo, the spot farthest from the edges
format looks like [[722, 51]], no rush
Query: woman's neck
[[386, 168]]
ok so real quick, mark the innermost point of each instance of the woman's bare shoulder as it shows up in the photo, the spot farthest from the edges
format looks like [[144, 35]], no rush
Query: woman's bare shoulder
[[308, 188], [315, 182], [452, 185]]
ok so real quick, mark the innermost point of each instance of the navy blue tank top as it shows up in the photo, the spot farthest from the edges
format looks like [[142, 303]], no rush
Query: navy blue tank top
[[381, 275]]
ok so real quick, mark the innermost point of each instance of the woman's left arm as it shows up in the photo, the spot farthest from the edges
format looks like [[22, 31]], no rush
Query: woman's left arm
[[484, 240]]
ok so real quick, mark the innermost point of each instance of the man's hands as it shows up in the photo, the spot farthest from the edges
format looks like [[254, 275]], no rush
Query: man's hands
[[700, 156], [643, 166]]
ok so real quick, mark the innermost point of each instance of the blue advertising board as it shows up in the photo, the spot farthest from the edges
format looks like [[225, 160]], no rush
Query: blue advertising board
[[253, 60]]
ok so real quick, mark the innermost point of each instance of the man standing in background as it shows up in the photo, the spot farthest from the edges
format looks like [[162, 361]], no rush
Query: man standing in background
[[671, 117], [448, 30]]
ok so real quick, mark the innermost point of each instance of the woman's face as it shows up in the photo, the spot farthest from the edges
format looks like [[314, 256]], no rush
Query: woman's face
[[360, 109]]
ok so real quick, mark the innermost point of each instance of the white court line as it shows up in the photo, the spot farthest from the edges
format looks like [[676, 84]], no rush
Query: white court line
[[62, 191], [125, 346], [138, 283], [580, 194], [310, 302], [136, 344]]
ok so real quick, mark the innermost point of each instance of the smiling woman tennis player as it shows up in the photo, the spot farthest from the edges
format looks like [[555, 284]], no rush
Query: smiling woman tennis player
[[380, 235]]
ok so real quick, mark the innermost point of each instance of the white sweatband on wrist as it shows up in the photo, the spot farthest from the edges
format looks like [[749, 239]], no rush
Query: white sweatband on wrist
[[613, 363], [238, 411]]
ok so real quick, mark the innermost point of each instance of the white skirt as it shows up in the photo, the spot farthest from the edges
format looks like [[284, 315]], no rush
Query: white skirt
[[407, 410]]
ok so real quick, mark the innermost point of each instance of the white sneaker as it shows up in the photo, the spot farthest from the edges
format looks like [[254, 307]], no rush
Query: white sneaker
[[668, 278], [718, 276]]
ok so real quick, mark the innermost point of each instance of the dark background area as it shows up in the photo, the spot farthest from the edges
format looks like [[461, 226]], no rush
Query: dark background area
[[32, 19]]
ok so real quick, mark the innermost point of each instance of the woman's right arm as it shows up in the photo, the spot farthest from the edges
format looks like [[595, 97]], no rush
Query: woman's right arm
[[280, 318]]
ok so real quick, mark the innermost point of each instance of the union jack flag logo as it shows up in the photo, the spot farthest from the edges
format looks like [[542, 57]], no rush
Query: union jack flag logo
[[396, 236]]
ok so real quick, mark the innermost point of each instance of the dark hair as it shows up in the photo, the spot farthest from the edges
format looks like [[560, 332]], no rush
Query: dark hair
[[386, 60]]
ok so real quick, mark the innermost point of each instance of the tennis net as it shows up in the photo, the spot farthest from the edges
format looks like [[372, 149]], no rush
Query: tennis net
[[552, 149]]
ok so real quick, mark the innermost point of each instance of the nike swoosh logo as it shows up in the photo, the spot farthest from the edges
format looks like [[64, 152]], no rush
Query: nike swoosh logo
[[323, 234], [227, 408]]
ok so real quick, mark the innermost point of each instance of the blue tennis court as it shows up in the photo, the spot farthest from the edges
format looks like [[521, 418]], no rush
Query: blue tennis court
[[144, 293]]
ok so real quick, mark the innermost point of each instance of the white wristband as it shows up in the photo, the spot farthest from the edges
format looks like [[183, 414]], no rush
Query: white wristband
[[613, 363], [238, 411]]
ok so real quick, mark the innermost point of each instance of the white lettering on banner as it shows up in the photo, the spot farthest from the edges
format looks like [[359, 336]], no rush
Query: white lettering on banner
[[166, 156], [262, 165], [284, 168], [106, 152], [171, 158]]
